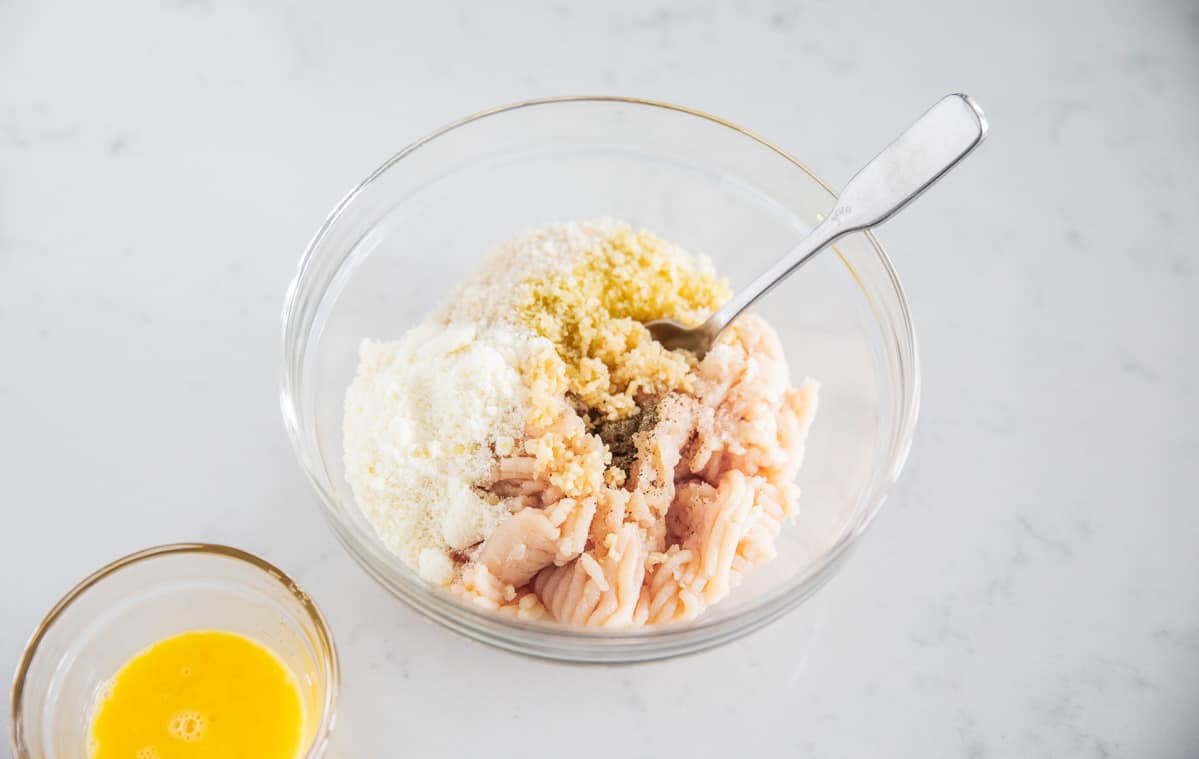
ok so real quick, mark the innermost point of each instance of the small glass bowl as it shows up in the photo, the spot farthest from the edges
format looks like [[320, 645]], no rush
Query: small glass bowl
[[142, 598], [400, 242]]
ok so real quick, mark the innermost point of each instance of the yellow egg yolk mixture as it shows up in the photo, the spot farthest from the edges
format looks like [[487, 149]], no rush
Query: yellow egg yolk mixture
[[200, 695]]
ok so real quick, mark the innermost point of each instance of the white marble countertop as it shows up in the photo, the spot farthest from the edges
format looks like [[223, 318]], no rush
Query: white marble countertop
[[1030, 590]]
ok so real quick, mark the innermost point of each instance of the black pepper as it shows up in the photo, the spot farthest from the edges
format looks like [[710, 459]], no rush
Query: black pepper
[[620, 434]]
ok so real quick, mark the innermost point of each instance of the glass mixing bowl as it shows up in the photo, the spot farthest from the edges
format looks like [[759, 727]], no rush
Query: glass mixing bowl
[[398, 244]]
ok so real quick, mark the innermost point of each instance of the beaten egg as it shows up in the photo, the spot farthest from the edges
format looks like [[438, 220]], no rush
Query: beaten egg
[[204, 694]]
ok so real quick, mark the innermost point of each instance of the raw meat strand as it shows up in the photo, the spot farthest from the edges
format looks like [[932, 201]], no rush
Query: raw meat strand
[[573, 531], [520, 547]]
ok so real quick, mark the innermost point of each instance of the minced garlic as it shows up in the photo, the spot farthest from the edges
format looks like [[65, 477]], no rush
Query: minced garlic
[[594, 313]]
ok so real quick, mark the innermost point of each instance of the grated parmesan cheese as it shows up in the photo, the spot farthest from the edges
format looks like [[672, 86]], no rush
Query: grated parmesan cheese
[[421, 418]]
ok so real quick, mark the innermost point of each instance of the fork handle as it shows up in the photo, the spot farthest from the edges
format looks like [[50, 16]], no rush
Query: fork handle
[[920, 156]]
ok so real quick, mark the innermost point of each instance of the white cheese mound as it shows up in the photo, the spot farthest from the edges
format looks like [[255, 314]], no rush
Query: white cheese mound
[[421, 417]]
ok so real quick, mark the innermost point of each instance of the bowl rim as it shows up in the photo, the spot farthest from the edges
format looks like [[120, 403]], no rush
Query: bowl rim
[[330, 662], [647, 643]]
